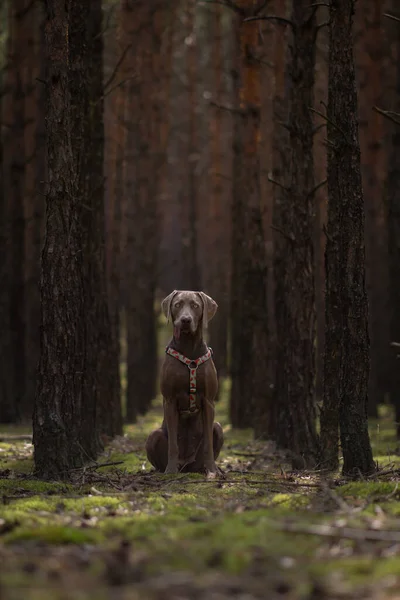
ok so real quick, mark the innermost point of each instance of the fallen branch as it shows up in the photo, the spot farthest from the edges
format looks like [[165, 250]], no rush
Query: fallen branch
[[332, 531], [16, 438]]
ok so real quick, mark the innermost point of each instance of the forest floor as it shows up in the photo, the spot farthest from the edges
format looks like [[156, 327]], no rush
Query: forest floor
[[260, 531]]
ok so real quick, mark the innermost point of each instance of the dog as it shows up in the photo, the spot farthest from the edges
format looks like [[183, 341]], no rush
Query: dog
[[189, 440]]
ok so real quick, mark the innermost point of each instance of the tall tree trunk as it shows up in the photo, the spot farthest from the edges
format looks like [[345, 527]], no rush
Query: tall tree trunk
[[8, 407], [249, 319], [280, 167], [347, 341], [102, 345], [294, 254], [179, 267], [218, 222], [14, 172], [33, 197], [321, 201], [393, 203], [75, 326], [369, 49], [144, 140]]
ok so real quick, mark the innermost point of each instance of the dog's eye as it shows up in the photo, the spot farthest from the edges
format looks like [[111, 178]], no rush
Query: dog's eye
[[195, 305], [177, 304]]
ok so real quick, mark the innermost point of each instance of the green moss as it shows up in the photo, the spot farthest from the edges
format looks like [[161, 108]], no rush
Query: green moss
[[54, 534]]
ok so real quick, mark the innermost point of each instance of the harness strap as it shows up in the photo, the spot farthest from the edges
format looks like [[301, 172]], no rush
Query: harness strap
[[192, 365]]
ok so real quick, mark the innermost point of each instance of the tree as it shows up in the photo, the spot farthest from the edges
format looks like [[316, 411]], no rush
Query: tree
[[249, 319], [294, 253], [142, 178], [369, 50], [346, 312], [392, 103], [75, 324]]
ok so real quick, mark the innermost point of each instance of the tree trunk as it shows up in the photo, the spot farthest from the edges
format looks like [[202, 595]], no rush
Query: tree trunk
[[321, 99], [144, 142], [369, 49], [280, 167], [294, 255], [14, 159], [393, 203], [102, 345], [75, 325], [33, 197], [249, 319], [346, 313], [218, 222]]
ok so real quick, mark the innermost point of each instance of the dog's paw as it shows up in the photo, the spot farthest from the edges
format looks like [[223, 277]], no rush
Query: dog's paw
[[211, 475], [171, 470]]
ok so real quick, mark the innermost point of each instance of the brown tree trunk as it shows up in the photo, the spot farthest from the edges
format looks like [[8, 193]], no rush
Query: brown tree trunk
[[102, 345], [75, 325], [294, 255], [369, 48], [33, 197], [144, 165], [393, 202], [347, 341], [320, 198], [280, 167], [218, 223], [249, 319], [14, 187], [8, 408]]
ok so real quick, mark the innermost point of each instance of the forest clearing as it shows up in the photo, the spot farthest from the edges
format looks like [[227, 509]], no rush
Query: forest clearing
[[260, 531]]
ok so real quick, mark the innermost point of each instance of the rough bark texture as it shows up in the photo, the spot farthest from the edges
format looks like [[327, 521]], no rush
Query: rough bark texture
[[144, 168], [294, 255], [14, 172], [102, 346], [369, 51], [280, 167], [392, 103], [75, 324], [179, 232], [249, 319], [321, 195], [214, 172], [347, 341]]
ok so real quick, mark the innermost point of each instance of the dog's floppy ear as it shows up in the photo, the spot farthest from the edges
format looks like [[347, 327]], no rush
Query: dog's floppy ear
[[166, 304], [209, 308]]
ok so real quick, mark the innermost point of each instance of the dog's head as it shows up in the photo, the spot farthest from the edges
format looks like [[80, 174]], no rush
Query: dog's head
[[188, 310]]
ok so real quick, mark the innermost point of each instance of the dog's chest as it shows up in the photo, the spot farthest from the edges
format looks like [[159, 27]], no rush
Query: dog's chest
[[175, 381]]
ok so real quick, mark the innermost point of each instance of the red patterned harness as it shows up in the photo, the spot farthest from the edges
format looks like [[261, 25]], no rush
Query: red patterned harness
[[192, 365]]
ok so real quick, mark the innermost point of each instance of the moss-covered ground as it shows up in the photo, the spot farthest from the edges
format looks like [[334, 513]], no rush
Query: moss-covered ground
[[260, 531]]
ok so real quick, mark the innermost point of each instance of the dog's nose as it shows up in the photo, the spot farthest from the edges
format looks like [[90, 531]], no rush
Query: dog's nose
[[186, 320]]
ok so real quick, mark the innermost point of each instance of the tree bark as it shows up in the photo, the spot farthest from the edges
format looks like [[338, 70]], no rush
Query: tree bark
[[294, 254], [218, 223], [280, 167], [144, 142], [346, 313], [369, 50], [75, 324], [249, 319], [392, 103]]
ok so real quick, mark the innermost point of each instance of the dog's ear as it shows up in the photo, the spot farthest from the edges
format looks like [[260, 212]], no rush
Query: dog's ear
[[166, 304], [209, 308]]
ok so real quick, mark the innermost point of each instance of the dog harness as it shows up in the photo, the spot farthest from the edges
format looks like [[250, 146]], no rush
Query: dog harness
[[192, 365]]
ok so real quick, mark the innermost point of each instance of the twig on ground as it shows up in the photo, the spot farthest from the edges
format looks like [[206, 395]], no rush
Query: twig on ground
[[332, 531]]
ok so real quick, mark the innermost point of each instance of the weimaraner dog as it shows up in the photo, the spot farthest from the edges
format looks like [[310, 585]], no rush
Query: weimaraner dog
[[189, 440]]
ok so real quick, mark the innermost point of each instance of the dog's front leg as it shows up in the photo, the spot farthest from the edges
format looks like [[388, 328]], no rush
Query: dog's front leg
[[171, 419], [208, 422]]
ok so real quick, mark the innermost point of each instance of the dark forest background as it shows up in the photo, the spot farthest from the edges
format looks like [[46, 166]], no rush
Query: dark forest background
[[151, 146]]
